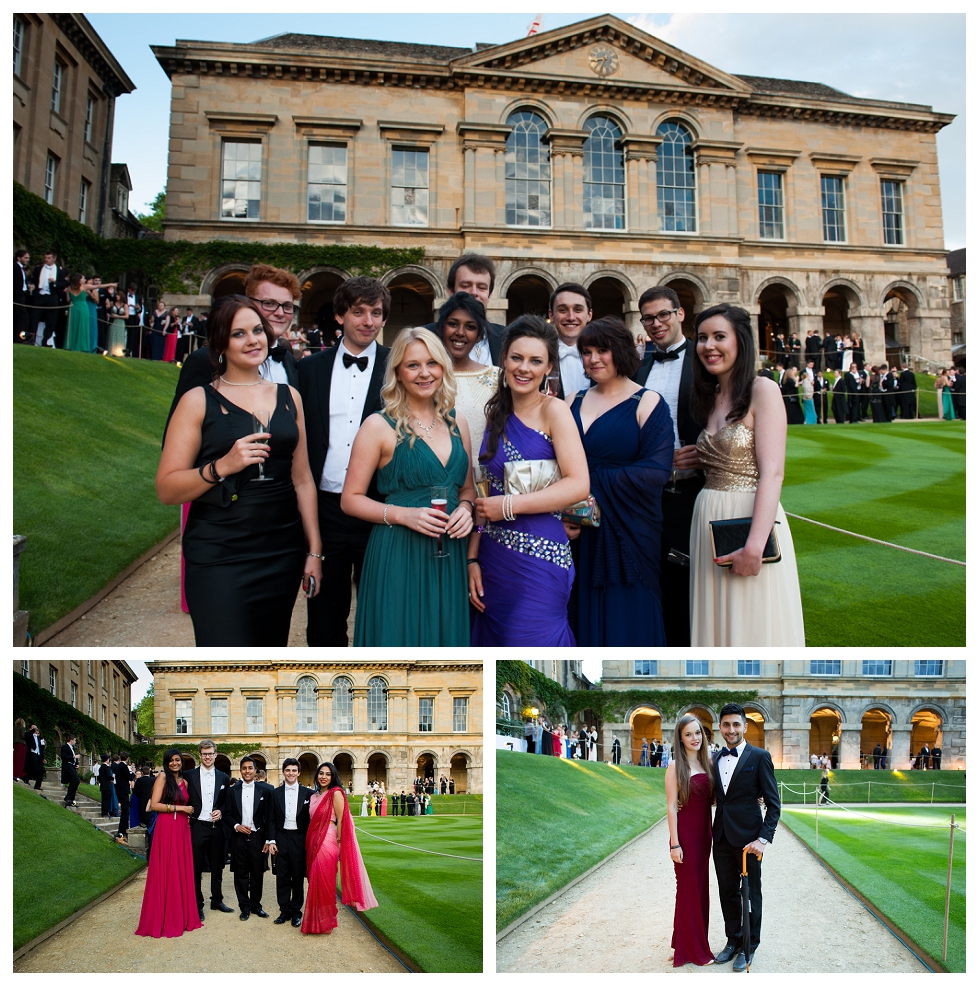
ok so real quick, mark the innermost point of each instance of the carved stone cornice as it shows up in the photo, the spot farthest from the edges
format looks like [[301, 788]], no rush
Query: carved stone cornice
[[838, 164], [641, 147], [772, 158], [716, 151], [566, 141], [892, 167], [415, 133], [240, 122], [327, 126], [474, 135]]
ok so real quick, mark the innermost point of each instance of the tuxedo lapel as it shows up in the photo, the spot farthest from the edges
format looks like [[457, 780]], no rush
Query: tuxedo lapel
[[323, 384], [377, 379], [686, 382], [740, 764]]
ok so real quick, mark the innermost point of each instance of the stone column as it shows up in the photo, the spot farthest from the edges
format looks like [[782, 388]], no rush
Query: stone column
[[324, 708], [704, 197], [655, 223], [634, 222], [577, 192], [286, 695], [358, 697], [499, 154], [850, 745], [485, 186], [469, 212], [899, 755], [732, 199], [795, 746], [868, 323], [773, 743], [802, 319], [360, 779], [557, 191]]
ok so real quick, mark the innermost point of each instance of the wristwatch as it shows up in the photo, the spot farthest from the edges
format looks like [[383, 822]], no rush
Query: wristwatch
[[764, 842]]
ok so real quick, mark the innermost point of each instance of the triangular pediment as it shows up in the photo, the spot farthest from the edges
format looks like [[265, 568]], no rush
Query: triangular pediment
[[602, 49]]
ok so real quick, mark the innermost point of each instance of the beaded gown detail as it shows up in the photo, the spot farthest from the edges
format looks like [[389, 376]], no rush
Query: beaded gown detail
[[691, 915]]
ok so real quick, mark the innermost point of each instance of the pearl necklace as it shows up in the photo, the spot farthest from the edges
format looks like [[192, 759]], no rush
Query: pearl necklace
[[231, 383]]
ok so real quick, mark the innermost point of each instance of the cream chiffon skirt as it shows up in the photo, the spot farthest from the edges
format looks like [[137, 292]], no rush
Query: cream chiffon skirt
[[728, 610]]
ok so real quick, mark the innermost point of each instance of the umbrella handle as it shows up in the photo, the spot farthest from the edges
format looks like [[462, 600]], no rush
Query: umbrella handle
[[744, 862]]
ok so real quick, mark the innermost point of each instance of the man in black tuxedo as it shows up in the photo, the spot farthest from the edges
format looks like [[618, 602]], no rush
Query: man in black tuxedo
[[616, 750], [142, 791], [49, 298], [831, 352], [476, 275], [742, 775], [290, 803], [958, 394], [190, 325], [889, 385], [69, 770], [250, 824], [120, 770], [667, 368], [854, 387], [340, 388], [276, 292], [34, 758], [134, 321], [107, 780], [814, 350], [820, 391], [207, 788], [22, 295], [907, 386]]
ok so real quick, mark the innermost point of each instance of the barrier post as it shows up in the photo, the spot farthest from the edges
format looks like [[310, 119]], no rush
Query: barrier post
[[817, 823], [932, 792], [948, 885], [868, 791]]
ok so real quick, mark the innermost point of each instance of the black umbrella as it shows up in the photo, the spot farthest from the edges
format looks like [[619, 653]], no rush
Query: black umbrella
[[745, 911]]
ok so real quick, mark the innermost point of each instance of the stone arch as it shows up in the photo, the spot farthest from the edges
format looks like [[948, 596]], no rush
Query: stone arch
[[459, 763], [785, 282], [646, 723], [902, 303], [508, 704], [222, 762], [756, 715], [344, 761], [680, 116], [693, 294], [707, 717], [839, 297], [908, 292], [825, 731], [318, 285], [426, 764], [261, 757], [927, 723], [189, 762], [848, 288], [377, 767], [876, 724], [217, 281], [527, 291], [531, 105], [612, 293], [928, 707], [616, 113], [308, 764], [775, 298], [826, 704], [415, 297]]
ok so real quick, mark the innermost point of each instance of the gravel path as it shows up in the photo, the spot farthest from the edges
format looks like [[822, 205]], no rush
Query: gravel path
[[620, 919], [144, 611], [103, 941]]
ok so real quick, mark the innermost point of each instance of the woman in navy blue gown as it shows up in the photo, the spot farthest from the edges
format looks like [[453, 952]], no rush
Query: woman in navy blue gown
[[627, 433]]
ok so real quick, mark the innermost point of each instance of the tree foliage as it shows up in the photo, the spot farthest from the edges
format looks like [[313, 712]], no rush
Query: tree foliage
[[144, 714], [154, 218]]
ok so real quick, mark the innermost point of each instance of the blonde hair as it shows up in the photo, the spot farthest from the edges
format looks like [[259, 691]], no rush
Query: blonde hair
[[395, 396]]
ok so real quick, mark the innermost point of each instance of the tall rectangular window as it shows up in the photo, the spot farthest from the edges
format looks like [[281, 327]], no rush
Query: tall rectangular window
[[326, 184], [115, 723], [18, 45], [219, 715], [184, 709], [958, 287], [892, 210], [409, 187], [604, 175], [771, 206], [749, 669], [103, 715], [50, 174], [103, 675], [343, 706], [115, 686], [527, 171], [644, 668], [698, 668], [89, 663], [877, 669], [825, 667], [57, 81], [74, 695], [89, 117], [834, 219], [53, 680], [241, 180], [25, 669], [91, 706], [929, 669], [460, 715], [426, 714], [253, 715]]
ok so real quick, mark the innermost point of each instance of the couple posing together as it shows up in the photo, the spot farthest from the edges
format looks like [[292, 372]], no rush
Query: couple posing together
[[736, 780]]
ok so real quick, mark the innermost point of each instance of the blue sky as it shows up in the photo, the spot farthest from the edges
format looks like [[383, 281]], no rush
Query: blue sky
[[916, 58]]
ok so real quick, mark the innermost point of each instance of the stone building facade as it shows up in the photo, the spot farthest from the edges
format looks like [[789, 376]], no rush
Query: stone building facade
[[376, 720], [594, 153], [66, 82], [956, 299], [841, 708]]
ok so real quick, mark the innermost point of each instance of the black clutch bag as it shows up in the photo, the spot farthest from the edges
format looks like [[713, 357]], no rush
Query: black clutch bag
[[727, 536]]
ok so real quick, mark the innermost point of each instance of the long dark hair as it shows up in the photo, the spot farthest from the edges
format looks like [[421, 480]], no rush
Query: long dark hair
[[170, 788], [219, 321], [468, 303], [704, 390], [334, 777], [500, 406]]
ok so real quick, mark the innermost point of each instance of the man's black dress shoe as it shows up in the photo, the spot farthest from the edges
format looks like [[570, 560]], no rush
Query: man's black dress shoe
[[260, 913], [297, 922], [220, 906], [243, 916], [730, 950], [281, 919], [200, 913], [741, 963]]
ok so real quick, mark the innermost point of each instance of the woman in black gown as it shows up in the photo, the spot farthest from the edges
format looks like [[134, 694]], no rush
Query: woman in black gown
[[248, 542], [790, 395]]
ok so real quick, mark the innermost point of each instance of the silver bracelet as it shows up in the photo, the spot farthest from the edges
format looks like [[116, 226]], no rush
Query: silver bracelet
[[312, 554], [386, 521]]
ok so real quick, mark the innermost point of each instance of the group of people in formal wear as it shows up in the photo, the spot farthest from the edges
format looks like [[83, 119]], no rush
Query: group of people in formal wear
[[200, 815], [557, 740], [739, 782], [29, 750], [529, 484], [834, 351], [950, 385]]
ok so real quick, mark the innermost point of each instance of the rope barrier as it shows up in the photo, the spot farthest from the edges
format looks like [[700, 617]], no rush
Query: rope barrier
[[430, 852], [872, 781], [878, 818]]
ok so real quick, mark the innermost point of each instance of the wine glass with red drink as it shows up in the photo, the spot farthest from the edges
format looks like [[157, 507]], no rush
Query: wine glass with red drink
[[440, 501]]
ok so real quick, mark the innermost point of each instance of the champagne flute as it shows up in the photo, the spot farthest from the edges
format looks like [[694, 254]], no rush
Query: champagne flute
[[482, 480], [553, 383], [440, 501], [672, 487], [260, 423]]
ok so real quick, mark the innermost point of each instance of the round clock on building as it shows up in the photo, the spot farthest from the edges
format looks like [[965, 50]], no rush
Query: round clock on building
[[604, 59]]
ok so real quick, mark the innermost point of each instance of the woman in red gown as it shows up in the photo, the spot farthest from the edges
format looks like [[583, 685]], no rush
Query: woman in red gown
[[331, 842], [689, 795], [170, 896]]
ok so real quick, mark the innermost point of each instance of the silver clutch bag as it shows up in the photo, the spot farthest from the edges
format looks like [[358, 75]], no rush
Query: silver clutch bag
[[530, 475]]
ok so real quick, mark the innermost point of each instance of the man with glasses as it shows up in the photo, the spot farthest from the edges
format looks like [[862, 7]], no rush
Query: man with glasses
[[207, 788], [667, 368], [277, 293]]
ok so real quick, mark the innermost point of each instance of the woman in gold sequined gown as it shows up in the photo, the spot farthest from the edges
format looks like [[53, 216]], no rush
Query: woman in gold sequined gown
[[742, 450]]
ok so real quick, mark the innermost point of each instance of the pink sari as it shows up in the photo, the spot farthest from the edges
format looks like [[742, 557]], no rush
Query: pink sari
[[323, 854]]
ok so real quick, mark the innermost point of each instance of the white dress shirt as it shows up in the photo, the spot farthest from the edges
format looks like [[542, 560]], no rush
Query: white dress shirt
[[273, 371], [248, 805], [664, 378], [573, 376], [292, 806], [44, 285], [207, 793], [348, 393], [726, 765]]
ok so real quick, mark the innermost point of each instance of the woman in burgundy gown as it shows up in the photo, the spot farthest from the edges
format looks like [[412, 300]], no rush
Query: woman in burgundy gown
[[689, 795], [331, 842], [170, 895]]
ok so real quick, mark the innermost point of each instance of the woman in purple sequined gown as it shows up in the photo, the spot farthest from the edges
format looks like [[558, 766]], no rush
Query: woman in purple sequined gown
[[520, 570]]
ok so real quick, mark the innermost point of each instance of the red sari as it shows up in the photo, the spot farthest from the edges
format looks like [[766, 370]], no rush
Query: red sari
[[170, 895], [323, 854]]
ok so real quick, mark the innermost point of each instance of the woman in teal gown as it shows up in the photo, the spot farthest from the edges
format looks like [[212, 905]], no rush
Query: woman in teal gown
[[408, 597], [79, 320]]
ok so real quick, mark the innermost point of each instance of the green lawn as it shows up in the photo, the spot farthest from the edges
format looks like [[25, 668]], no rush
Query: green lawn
[[457, 804], [881, 785], [903, 483], [61, 863], [557, 818], [87, 432], [899, 866], [430, 907]]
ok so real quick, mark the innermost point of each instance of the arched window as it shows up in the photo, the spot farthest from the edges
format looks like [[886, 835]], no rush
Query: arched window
[[528, 171], [307, 718], [377, 704], [505, 707], [676, 180], [343, 706], [604, 175]]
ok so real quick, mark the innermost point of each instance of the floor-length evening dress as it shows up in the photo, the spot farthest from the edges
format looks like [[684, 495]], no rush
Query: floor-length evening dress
[[170, 895], [948, 409], [244, 546], [618, 567], [728, 610], [324, 856], [525, 563], [407, 597], [79, 324], [692, 913]]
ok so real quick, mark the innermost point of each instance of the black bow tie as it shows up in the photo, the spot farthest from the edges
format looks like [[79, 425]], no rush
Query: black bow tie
[[730, 753], [277, 353], [349, 361], [660, 357]]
